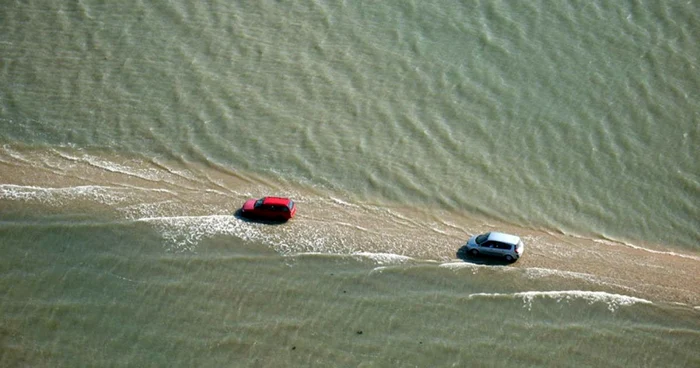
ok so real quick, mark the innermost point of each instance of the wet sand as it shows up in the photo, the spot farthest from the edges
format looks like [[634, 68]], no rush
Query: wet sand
[[205, 198]]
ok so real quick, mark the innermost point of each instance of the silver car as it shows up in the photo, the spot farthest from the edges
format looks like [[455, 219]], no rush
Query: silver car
[[496, 244]]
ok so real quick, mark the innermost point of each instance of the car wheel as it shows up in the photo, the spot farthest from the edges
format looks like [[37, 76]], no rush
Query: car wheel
[[509, 258], [474, 252]]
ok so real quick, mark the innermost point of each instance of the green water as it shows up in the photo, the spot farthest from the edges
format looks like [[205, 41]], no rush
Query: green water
[[130, 133], [75, 296]]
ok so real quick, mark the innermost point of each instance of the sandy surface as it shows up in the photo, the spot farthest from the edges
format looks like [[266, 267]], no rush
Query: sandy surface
[[131, 189]]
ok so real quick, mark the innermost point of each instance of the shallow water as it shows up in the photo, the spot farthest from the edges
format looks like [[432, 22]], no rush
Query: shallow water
[[96, 301], [130, 134]]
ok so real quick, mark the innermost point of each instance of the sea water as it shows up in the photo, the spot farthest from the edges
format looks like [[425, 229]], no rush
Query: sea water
[[131, 133]]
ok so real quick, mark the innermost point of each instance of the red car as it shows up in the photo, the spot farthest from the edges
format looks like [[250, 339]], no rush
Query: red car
[[269, 208]]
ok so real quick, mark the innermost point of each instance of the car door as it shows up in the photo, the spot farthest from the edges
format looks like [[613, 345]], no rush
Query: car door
[[487, 248], [276, 212], [265, 211], [506, 249], [500, 249], [283, 211]]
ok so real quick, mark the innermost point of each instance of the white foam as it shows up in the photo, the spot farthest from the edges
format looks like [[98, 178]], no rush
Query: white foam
[[535, 272], [399, 216], [354, 226], [147, 210], [302, 254], [613, 301], [102, 194], [384, 258], [216, 192], [546, 272], [441, 232], [461, 264], [14, 154], [183, 233], [606, 242], [342, 202], [150, 174], [109, 195], [157, 190], [146, 174], [457, 265]]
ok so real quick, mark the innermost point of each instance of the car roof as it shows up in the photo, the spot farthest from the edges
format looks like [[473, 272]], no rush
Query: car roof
[[276, 201], [504, 238]]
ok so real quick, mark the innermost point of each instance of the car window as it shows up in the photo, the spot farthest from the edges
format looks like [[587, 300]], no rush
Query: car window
[[482, 238], [259, 203], [486, 244], [503, 246]]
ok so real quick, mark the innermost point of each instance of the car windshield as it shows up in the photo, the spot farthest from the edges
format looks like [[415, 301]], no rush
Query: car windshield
[[482, 238], [259, 202]]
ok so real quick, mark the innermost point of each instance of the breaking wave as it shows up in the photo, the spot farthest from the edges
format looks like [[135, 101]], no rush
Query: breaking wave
[[613, 301]]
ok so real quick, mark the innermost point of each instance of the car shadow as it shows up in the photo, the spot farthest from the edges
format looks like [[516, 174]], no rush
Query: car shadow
[[463, 254], [238, 215]]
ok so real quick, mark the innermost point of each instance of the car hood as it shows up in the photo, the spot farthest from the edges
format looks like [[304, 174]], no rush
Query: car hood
[[472, 241], [249, 205]]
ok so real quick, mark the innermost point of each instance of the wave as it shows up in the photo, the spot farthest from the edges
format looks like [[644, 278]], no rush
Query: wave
[[56, 195], [668, 253], [384, 258], [614, 301], [149, 174], [14, 154], [461, 264], [102, 194], [536, 272], [342, 202], [183, 233], [379, 258]]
